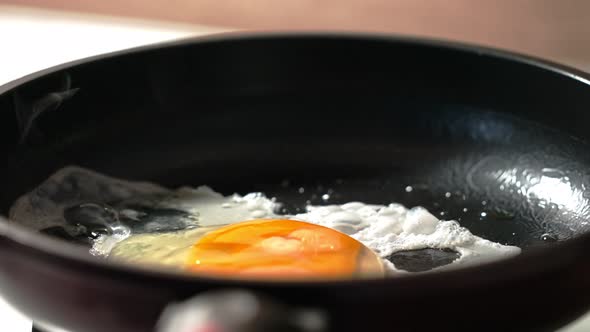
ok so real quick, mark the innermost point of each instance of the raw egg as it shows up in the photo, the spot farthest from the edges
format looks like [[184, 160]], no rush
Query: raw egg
[[282, 248]]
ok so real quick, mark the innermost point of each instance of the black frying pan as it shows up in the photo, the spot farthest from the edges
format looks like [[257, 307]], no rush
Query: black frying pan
[[367, 116]]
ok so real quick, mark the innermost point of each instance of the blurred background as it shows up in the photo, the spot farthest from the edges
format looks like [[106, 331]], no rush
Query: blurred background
[[65, 29], [559, 30], [36, 34]]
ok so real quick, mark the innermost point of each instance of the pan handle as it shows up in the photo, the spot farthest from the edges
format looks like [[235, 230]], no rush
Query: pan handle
[[238, 311]]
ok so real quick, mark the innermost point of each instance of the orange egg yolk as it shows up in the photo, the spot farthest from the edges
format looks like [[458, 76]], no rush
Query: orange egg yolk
[[281, 248]]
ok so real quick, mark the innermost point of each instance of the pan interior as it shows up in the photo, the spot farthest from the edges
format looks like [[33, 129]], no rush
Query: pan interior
[[507, 180], [497, 167]]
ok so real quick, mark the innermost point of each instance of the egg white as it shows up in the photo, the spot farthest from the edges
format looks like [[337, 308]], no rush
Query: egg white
[[385, 229]]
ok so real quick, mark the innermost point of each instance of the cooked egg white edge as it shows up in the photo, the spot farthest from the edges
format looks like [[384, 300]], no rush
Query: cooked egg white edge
[[394, 228]]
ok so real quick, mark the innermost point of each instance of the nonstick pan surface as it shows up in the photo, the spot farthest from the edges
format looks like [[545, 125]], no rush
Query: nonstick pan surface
[[494, 140]]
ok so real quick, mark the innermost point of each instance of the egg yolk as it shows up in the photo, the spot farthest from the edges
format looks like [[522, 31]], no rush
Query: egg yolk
[[282, 248]]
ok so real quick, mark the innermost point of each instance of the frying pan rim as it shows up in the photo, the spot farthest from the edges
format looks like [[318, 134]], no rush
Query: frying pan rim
[[63, 252], [233, 36]]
